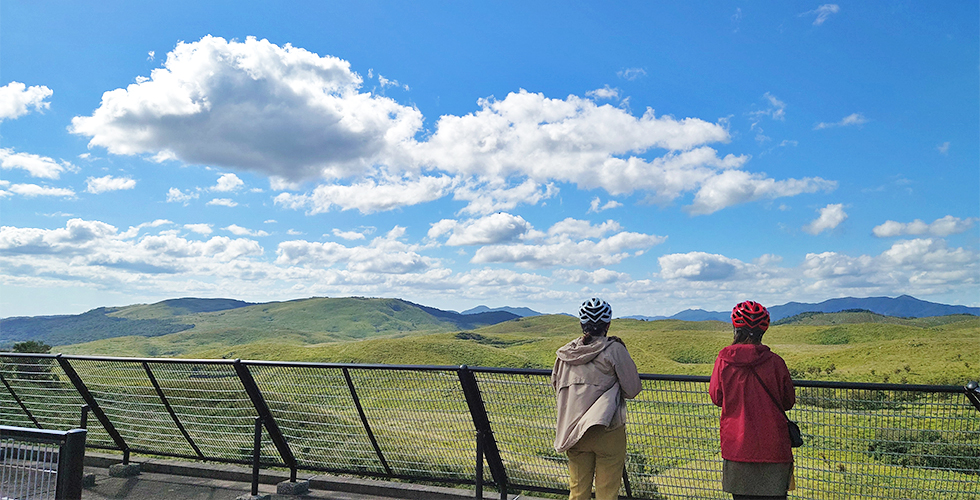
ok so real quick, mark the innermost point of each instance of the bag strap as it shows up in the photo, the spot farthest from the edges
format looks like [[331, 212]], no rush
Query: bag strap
[[773, 398]]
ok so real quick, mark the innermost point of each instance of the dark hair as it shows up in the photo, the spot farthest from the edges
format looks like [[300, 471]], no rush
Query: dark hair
[[748, 335], [593, 329]]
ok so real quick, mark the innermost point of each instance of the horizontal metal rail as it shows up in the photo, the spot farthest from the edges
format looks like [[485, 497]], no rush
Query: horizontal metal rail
[[430, 423]]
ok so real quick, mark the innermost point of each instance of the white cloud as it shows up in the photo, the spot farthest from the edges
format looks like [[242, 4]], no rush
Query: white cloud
[[595, 208], [175, 195], [603, 93], [204, 229], [36, 166], [493, 229], [223, 202], [943, 148], [368, 196], [851, 119], [16, 98], [830, 217], [822, 13], [631, 73], [99, 185], [698, 266], [485, 198], [582, 229], [776, 109], [33, 190], [305, 117], [384, 255], [597, 277], [348, 235], [561, 250], [732, 187], [228, 182], [942, 227], [242, 231]]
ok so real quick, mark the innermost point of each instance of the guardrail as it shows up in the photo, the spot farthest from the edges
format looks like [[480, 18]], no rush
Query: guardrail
[[38, 464], [444, 424]]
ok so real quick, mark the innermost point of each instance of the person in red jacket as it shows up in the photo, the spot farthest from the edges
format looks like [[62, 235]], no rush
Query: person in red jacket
[[758, 459]]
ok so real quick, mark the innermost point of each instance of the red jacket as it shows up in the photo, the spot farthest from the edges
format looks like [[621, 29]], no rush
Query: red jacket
[[752, 428]]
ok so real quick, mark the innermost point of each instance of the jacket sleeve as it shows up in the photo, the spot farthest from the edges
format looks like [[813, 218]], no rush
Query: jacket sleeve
[[626, 372], [714, 386], [786, 384]]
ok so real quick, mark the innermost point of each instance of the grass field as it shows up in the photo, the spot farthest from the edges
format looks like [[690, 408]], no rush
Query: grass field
[[842, 346]]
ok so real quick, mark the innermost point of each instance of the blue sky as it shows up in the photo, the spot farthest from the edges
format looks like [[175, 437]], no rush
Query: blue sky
[[661, 155]]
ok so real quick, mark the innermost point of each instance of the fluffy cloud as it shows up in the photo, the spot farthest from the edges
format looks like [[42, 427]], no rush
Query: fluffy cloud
[[36, 166], [16, 98], [204, 229], [243, 231], [175, 195], [597, 277], [279, 111], [348, 235], [33, 190], [852, 119], [228, 182], [594, 205], [99, 185], [560, 248], [830, 217], [698, 266], [488, 197], [384, 255], [368, 196], [490, 230], [940, 227], [732, 187], [223, 202]]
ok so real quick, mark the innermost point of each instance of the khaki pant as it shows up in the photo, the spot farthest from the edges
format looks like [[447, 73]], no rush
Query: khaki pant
[[600, 454]]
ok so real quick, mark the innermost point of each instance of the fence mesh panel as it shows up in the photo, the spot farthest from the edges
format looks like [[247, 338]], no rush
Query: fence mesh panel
[[421, 422], [316, 413], [862, 440], [38, 387]]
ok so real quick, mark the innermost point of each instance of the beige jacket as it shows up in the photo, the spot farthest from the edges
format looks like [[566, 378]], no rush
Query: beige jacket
[[590, 382]]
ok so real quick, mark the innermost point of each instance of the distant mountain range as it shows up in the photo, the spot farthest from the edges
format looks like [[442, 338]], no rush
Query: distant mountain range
[[904, 306], [320, 320], [310, 320], [519, 311]]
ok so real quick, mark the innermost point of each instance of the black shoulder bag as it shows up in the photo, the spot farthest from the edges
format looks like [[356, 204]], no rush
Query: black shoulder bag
[[795, 436]]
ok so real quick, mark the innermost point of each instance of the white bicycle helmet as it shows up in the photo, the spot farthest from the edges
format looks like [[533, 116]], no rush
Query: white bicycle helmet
[[595, 310]]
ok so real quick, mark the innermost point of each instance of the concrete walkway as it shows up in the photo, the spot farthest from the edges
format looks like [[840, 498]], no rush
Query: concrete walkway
[[172, 480]]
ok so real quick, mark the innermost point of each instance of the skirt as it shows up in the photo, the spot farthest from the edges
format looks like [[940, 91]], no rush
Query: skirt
[[756, 479]]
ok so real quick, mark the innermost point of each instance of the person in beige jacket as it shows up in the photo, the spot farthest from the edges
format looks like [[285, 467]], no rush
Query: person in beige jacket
[[592, 377]]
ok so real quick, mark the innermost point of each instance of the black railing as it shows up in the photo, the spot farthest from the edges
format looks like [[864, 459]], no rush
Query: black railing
[[41, 464], [444, 424]]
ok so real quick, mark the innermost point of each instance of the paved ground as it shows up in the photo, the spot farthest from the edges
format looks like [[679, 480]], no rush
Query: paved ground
[[174, 480]]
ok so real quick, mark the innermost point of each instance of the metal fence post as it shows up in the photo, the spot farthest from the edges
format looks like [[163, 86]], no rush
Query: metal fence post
[[364, 421], [481, 421], [256, 456], [170, 409], [973, 393], [94, 406], [19, 402], [252, 389], [71, 461]]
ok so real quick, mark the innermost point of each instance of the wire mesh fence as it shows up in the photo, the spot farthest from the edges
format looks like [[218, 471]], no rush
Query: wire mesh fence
[[423, 423]]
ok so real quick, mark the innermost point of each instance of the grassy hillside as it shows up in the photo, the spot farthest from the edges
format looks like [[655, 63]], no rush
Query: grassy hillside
[[926, 350], [294, 323]]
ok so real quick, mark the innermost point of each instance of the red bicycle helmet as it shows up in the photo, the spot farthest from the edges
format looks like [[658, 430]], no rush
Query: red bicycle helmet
[[750, 314]]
